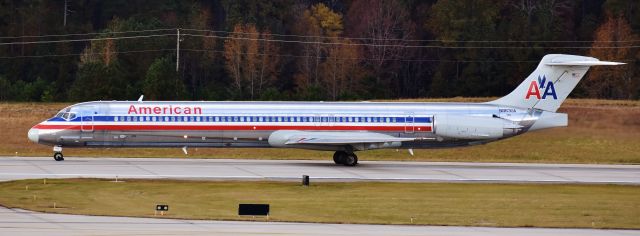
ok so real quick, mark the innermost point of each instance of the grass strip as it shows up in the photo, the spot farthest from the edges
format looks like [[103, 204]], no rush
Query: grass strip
[[463, 204]]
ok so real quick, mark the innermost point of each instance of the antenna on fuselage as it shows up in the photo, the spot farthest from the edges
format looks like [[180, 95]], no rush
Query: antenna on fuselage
[[141, 97]]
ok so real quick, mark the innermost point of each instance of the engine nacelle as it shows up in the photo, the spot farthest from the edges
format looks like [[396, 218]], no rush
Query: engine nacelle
[[471, 127], [279, 138]]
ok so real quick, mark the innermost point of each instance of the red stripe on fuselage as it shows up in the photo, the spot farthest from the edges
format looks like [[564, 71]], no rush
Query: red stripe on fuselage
[[233, 127]]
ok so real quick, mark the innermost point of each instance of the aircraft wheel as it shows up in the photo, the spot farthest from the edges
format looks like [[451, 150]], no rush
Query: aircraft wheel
[[58, 156], [350, 160], [339, 156]]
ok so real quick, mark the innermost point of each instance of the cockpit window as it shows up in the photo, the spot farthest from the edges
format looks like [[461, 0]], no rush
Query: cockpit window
[[66, 115]]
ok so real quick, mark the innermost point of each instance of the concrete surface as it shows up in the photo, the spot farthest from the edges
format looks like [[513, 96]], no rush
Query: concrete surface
[[26, 223], [13, 168]]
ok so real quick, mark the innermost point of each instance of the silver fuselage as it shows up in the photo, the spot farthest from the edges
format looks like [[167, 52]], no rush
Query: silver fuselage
[[250, 124]]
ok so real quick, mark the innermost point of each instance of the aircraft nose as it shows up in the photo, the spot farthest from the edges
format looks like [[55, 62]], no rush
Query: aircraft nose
[[33, 135]]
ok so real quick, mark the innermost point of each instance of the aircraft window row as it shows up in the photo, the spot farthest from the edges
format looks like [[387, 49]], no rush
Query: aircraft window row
[[323, 119]]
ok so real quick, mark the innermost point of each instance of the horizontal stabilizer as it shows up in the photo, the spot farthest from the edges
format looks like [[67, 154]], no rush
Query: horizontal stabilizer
[[584, 63]]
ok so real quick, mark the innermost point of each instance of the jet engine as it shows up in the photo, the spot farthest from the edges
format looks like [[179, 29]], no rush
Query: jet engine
[[473, 127]]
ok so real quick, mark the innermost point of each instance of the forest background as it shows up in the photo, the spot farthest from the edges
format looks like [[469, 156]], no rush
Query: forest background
[[80, 50]]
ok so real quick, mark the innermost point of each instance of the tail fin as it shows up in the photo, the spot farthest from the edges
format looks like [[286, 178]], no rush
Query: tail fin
[[552, 81]]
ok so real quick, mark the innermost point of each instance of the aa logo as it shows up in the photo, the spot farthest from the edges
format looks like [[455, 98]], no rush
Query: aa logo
[[539, 85]]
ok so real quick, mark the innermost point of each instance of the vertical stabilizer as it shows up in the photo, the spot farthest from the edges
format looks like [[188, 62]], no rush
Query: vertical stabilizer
[[552, 81]]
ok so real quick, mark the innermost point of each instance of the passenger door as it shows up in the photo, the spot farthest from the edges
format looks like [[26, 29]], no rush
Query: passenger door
[[87, 121], [409, 123]]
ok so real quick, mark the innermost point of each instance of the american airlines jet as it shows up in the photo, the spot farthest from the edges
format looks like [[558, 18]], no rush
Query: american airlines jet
[[341, 127]]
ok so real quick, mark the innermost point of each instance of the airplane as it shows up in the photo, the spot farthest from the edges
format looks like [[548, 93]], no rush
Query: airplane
[[341, 127]]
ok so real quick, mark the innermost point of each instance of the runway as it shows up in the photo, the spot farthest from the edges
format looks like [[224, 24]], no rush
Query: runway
[[22, 222], [27, 223], [14, 168]]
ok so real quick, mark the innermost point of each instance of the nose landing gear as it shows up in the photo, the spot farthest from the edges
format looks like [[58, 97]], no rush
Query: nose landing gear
[[345, 158], [57, 153]]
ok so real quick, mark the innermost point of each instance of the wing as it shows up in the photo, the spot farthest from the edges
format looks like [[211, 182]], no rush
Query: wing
[[288, 138]]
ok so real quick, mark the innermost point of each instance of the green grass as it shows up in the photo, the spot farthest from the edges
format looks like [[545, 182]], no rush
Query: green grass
[[503, 205], [600, 131]]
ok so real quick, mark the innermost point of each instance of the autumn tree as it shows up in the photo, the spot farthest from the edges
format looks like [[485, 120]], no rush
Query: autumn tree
[[320, 26], [233, 50], [252, 60], [613, 41], [339, 71], [269, 62]]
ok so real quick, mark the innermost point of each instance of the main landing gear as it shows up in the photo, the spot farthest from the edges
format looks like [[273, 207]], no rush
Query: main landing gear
[[57, 153], [345, 158]]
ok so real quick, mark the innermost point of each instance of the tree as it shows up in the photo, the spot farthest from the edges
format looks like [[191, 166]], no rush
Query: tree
[[162, 82], [321, 26], [199, 55], [269, 62], [384, 26], [251, 60], [340, 75], [240, 53], [465, 71], [97, 81], [613, 40]]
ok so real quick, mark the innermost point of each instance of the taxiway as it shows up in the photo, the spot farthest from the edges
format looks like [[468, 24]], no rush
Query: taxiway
[[14, 168]]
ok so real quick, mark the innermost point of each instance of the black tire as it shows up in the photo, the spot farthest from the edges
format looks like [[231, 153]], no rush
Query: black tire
[[350, 160], [58, 156], [338, 157]]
